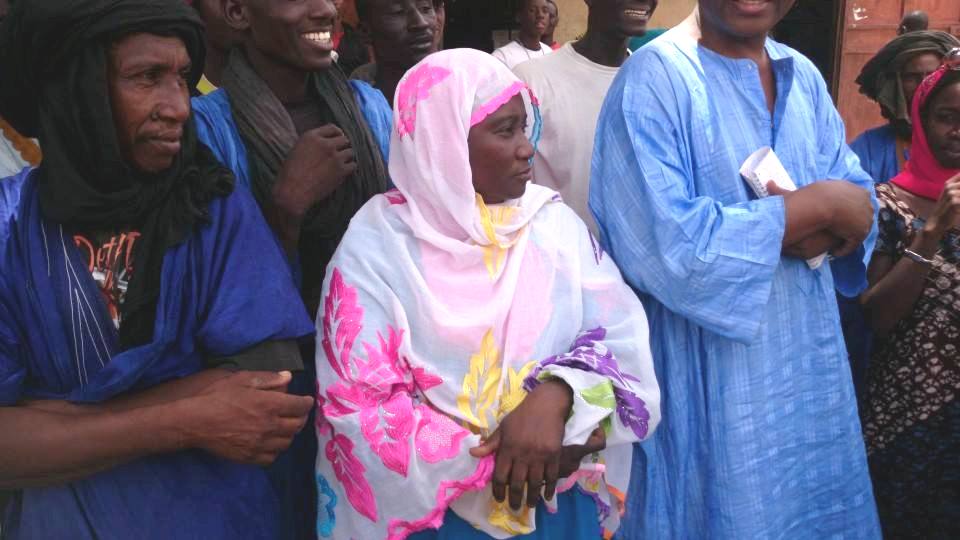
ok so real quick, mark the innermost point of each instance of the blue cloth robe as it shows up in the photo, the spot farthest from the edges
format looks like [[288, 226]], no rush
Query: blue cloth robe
[[223, 290], [760, 436], [218, 130], [291, 474], [877, 150], [575, 519]]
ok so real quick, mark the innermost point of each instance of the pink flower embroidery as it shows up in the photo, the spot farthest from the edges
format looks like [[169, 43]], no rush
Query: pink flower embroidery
[[342, 321], [416, 87], [387, 427], [425, 380], [446, 493], [438, 437], [377, 390], [350, 473], [320, 421], [395, 197]]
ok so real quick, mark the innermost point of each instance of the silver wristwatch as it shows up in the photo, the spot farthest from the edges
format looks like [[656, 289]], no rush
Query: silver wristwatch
[[917, 258]]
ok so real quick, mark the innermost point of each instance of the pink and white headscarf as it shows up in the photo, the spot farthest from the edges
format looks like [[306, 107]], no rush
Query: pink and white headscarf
[[430, 161], [439, 313]]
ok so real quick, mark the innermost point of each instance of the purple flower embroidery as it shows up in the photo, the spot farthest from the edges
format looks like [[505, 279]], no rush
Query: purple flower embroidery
[[632, 411], [589, 355], [603, 509]]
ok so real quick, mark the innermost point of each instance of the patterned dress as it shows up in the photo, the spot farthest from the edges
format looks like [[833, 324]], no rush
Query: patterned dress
[[911, 417], [440, 313]]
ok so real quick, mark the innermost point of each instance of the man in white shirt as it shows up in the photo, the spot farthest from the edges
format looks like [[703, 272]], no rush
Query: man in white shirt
[[532, 16], [571, 85]]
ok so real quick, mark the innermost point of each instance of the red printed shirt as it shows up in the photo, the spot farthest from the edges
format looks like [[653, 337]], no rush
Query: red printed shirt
[[109, 258]]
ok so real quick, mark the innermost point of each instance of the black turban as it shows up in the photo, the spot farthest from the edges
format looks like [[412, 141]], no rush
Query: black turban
[[53, 86]]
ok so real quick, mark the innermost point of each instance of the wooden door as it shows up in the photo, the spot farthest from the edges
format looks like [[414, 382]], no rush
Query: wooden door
[[867, 25]]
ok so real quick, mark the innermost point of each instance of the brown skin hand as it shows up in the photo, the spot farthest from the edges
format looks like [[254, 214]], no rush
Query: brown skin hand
[[528, 445], [277, 44], [895, 287], [245, 417]]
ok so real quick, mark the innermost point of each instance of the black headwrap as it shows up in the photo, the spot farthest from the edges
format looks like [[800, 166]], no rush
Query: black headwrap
[[53, 54], [880, 78], [269, 135]]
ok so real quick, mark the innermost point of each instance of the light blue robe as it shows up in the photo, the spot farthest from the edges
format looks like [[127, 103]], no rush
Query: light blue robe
[[760, 436]]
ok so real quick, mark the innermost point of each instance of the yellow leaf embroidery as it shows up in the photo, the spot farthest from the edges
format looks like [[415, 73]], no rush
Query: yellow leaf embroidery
[[480, 385], [495, 253], [503, 518], [514, 393]]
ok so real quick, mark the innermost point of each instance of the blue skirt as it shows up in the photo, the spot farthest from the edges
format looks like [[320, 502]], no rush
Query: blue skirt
[[576, 519]]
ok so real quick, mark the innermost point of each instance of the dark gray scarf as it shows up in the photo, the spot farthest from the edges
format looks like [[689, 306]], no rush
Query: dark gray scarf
[[269, 135]]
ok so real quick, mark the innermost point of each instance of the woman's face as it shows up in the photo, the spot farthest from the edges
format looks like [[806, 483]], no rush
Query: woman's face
[[942, 125], [915, 71], [500, 153]]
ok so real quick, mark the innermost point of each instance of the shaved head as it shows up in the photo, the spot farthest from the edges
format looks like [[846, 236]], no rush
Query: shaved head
[[913, 22]]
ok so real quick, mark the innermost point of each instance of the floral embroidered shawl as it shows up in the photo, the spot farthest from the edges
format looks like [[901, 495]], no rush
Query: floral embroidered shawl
[[439, 313]]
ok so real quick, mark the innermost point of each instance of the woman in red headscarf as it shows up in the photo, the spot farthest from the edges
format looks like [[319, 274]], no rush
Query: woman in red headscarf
[[911, 416]]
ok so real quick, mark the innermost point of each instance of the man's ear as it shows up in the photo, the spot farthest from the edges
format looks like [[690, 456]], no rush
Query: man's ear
[[237, 15]]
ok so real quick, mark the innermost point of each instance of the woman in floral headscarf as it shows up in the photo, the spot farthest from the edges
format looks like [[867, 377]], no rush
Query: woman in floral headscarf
[[911, 417], [477, 350]]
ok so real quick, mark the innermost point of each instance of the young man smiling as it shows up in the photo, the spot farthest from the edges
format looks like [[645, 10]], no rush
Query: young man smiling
[[571, 85], [760, 437], [293, 130]]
